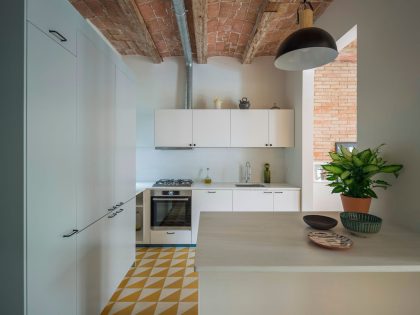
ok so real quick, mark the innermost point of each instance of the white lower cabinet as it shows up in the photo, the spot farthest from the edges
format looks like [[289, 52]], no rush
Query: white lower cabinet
[[208, 200], [170, 236], [92, 268], [105, 252], [287, 200], [122, 239], [240, 200], [252, 200], [212, 200]]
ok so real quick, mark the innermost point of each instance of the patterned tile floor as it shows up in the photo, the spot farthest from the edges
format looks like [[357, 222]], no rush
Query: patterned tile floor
[[163, 282]]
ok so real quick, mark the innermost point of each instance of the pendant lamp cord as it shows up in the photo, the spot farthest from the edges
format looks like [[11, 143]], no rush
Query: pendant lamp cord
[[305, 5]]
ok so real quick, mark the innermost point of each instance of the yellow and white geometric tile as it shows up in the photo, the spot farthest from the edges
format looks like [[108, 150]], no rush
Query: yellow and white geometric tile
[[163, 282]]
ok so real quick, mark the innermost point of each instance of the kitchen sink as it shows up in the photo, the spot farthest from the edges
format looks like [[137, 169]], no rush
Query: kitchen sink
[[249, 185]]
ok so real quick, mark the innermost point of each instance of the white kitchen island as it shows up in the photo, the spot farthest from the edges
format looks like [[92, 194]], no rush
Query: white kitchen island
[[263, 263]]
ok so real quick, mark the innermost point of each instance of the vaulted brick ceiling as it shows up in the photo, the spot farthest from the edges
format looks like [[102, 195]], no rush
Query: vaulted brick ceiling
[[241, 29]]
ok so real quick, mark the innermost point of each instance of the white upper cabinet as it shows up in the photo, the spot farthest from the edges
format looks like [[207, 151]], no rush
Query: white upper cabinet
[[281, 128], [173, 128], [211, 128], [125, 139], [223, 128], [57, 19], [96, 131], [51, 176], [252, 200], [287, 200], [249, 128]]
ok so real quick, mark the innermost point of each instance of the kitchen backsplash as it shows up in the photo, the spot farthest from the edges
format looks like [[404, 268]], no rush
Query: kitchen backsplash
[[226, 164]]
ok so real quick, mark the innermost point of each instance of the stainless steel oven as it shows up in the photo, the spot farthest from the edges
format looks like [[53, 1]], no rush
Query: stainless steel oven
[[170, 209]]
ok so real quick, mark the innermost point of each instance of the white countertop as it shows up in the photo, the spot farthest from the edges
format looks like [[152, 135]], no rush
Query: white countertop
[[142, 186], [260, 242]]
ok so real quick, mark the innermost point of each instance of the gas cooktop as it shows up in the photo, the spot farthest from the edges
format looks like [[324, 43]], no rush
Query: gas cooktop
[[173, 183]]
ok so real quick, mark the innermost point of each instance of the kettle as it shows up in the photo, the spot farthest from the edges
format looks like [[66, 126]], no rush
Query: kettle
[[244, 103]]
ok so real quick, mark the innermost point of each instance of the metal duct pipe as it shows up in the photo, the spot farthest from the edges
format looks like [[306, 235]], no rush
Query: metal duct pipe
[[181, 19]]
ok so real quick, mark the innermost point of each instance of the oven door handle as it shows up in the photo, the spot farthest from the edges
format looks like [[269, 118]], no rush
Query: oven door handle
[[170, 199]]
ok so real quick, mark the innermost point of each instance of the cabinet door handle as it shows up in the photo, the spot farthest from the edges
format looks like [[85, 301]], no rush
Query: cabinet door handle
[[71, 233], [266, 144], [170, 233], [271, 145], [268, 192], [278, 192], [211, 192], [60, 37]]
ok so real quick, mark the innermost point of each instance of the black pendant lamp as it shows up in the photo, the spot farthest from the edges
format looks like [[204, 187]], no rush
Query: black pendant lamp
[[307, 48]]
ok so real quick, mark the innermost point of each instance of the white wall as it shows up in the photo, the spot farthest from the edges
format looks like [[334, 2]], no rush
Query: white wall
[[162, 86], [298, 160], [323, 199], [388, 91], [293, 156]]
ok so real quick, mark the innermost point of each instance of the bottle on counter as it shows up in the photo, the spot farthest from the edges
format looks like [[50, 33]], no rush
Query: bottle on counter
[[267, 173], [207, 179]]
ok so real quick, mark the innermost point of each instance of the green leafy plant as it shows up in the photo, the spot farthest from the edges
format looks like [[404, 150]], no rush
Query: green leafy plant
[[351, 173]]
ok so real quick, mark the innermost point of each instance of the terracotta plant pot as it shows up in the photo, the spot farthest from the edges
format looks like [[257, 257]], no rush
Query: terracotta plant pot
[[352, 204]]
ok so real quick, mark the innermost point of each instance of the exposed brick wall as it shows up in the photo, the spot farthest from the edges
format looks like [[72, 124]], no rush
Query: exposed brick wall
[[335, 103]]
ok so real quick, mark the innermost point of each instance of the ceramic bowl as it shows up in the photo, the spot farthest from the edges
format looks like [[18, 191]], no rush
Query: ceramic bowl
[[320, 222], [362, 223]]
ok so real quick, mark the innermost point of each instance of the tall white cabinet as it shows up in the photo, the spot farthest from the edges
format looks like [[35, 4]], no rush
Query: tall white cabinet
[[80, 164], [125, 138], [51, 175], [96, 112]]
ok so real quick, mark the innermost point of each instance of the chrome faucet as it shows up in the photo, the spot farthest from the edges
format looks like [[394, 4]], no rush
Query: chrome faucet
[[247, 172]]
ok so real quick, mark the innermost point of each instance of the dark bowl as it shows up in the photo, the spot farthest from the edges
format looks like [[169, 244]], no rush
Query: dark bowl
[[320, 222], [361, 222]]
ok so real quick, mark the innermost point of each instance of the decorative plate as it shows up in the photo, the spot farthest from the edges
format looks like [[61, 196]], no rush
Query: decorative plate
[[330, 240], [320, 222]]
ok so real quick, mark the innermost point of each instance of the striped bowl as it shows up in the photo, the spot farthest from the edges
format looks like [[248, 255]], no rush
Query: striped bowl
[[361, 222]]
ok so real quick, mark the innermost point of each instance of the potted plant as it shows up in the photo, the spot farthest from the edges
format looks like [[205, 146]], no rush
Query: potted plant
[[352, 175]]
